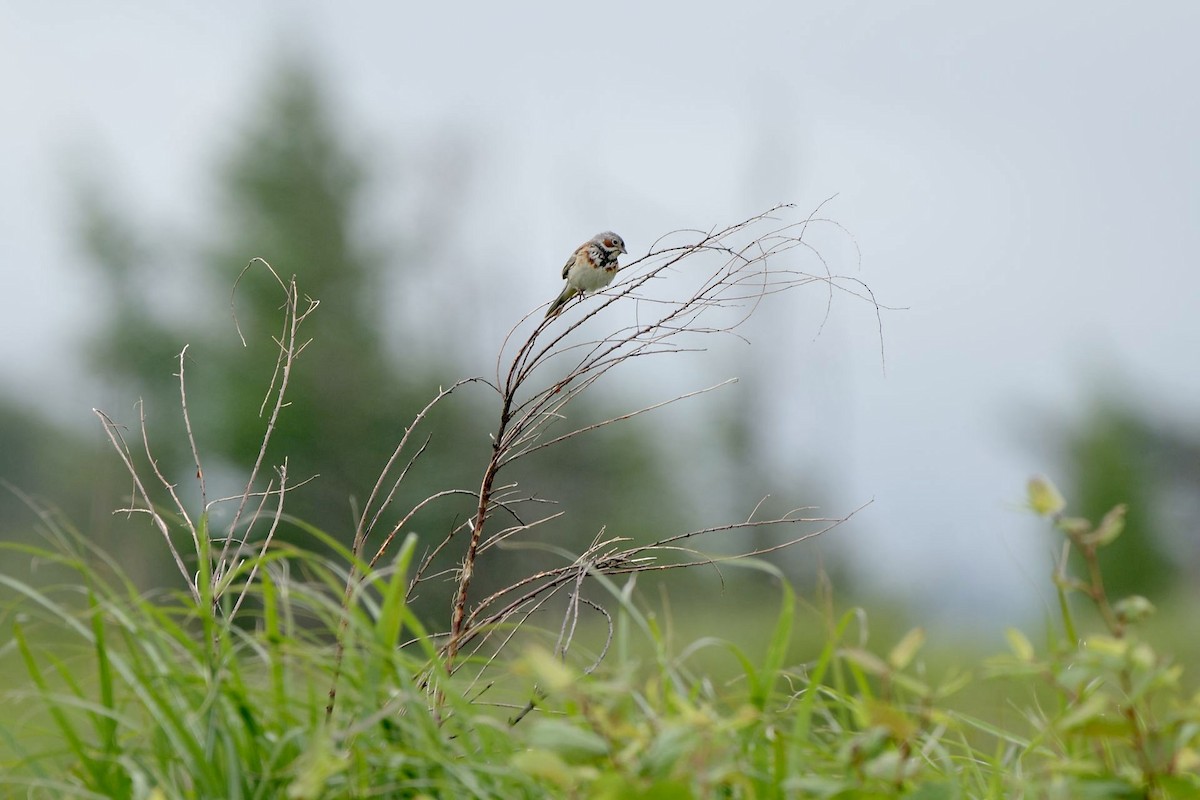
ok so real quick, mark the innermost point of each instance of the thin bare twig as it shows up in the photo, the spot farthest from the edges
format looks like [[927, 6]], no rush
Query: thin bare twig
[[117, 439], [290, 348], [187, 425]]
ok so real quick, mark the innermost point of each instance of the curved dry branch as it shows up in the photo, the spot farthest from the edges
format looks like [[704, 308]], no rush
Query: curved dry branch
[[747, 269], [607, 557]]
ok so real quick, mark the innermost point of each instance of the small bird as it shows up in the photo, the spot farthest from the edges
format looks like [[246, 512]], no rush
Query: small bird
[[590, 268]]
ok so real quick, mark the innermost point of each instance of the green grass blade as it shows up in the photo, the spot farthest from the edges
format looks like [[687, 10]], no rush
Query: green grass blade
[[393, 612], [73, 739]]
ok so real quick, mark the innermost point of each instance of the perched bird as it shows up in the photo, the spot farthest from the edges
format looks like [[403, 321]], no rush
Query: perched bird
[[590, 268]]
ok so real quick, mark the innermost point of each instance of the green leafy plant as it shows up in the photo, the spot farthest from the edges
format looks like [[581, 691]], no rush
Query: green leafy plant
[[140, 697], [1116, 722]]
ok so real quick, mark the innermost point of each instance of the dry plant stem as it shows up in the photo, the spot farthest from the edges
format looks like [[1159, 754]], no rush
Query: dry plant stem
[[113, 432], [166, 484], [744, 277], [566, 631], [564, 644], [270, 537], [611, 420], [513, 530], [510, 632], [605, 559], [481, 514], [419, 575], [1095, 587], [290, 348], [502, 498], [364, 528], [653, 337], [399, 526], [187, 425]]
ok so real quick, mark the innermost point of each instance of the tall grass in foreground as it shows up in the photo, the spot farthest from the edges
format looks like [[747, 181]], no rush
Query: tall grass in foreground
[[135, 696]]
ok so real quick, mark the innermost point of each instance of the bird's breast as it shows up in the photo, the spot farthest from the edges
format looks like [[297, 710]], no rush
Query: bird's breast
[[590, 278]]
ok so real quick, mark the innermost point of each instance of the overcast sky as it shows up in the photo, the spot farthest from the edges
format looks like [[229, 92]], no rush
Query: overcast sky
[[1022, 177]]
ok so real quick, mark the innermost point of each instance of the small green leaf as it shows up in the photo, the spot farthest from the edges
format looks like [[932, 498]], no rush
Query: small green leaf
[[668, 748], [567, 741], [1088, 713], [1111, 727], [1183, 785], [545, 765], [865, 659], [1075, 526], [1107, 645], [953, 683], [892, 720], [1020, 645], [1110, 527], [1133, 608], [667, 790], [911, 684], [1142, 656], [394, 608], [778, 647], [815, 786], [1044, 497], [902, 654], [316, 767], [935, 790], [550, 672]]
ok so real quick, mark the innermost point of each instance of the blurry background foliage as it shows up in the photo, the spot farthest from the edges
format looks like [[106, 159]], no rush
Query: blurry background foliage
[[1118, 455]]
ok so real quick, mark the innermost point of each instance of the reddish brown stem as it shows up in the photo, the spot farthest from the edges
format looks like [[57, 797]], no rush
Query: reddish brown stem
[[481, 515]]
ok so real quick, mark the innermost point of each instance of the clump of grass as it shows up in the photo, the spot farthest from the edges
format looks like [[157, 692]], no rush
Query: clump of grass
[[137, 696]]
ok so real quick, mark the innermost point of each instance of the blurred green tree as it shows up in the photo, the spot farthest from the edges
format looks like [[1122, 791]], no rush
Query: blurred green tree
[[292, 193], [1118, 454], [38, 458]]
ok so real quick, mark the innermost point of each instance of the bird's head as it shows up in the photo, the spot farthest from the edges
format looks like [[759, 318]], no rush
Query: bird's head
[[610, 241]]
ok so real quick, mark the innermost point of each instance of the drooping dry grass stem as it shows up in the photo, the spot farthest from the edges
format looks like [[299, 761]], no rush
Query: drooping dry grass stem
[[533, 448], [748, 270], [607, 557]]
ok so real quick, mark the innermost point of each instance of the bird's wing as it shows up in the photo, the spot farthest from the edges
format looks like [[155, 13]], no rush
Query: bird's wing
[[567, 266]]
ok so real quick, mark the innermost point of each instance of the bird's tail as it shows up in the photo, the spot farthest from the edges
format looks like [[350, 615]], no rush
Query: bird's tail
[[567, 293]]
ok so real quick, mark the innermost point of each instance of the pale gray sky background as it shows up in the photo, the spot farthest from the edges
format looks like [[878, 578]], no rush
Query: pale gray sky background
[[1022, 176]]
